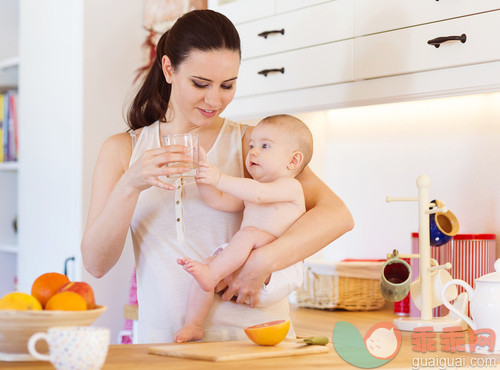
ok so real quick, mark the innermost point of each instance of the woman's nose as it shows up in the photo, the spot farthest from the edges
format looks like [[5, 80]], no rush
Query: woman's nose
[[213, 97]]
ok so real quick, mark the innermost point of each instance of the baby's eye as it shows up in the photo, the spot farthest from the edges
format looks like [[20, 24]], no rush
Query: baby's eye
[[250, 146], [265, 146]]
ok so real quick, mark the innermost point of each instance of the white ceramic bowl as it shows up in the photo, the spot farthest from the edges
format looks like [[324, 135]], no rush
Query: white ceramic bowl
[[17, 326]]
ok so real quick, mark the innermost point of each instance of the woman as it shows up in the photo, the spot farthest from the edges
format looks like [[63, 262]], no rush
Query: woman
[[190, 84]]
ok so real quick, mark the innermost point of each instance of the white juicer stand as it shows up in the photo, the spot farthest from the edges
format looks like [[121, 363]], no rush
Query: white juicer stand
[[461, 303]]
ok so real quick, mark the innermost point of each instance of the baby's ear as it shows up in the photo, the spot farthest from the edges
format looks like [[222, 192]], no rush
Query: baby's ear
[[296, 160]]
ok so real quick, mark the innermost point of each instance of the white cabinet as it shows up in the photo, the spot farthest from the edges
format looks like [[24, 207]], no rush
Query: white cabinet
[[465, 41], [291, 70], [285, 52], [288, 31], [381, 53], [244, 10], [9, 62], [372, 16]]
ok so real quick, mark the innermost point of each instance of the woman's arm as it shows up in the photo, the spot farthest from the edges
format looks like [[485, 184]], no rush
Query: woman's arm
[[327, 218], [115, 190]]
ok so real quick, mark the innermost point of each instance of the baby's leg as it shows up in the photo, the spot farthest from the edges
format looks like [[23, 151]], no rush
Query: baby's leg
[[200, 271], [231, 258], [198, 305], [238, 249]]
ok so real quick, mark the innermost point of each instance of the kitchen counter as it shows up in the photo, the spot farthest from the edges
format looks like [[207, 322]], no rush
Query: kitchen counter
[[307, 322]]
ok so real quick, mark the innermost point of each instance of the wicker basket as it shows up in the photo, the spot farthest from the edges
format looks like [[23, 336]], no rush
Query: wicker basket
[[331, 291]]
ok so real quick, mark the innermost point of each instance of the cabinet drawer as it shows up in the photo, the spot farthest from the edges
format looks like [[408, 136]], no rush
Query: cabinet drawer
[[310, 26], [287, 5], [246, 10], [314, 66], [406, 50], [373, 16]]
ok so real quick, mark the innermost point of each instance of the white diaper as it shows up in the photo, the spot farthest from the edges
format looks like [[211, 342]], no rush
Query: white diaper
[[281, 284]]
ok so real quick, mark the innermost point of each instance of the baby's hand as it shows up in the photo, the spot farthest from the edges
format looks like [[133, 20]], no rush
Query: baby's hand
[[208, 174]]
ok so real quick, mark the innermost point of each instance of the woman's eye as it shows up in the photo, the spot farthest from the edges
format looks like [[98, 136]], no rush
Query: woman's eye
[[227, 87], [199, 85]]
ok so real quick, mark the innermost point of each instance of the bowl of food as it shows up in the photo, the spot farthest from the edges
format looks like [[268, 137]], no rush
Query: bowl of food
[[54, 301], [17, 326]]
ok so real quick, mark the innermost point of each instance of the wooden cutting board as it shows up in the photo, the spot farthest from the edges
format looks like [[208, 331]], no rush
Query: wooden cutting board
[[234, 350]]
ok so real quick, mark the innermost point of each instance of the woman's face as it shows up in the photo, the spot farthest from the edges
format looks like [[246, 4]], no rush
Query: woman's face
[[203, 85]]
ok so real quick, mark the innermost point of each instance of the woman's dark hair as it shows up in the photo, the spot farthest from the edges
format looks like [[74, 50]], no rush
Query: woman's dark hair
[[202, 30]]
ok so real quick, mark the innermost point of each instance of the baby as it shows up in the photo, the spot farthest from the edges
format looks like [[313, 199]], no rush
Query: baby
[[280, 147]]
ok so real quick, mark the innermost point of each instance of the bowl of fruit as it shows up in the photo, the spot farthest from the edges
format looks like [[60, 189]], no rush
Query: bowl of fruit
[[54, 301]]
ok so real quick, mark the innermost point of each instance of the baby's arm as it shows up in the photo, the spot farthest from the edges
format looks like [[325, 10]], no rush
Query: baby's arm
[[284, 189], [207, 178]]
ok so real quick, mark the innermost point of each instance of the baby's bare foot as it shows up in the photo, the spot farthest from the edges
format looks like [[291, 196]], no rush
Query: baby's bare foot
[[188, 333], [201, 272]]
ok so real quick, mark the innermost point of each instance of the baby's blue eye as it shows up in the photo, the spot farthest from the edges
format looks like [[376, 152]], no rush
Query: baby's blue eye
[[264, 146]]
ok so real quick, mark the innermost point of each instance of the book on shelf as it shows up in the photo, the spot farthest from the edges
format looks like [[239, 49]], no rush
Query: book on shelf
[[8, 126]]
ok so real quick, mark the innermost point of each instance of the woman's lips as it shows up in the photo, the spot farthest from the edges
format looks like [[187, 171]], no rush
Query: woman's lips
[[209, 113]]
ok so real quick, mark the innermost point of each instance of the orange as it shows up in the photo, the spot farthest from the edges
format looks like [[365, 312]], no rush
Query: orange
[[19, 301], [66, 301], [46, 285], [269, 333]]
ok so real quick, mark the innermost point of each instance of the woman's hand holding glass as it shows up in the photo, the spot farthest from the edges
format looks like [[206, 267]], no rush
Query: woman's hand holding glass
[[148, 170]]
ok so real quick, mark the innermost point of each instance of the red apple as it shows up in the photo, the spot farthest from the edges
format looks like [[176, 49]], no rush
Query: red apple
[[82, 288]]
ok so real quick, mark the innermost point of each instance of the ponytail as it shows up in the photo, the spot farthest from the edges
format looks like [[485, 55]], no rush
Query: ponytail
[[151, 102]]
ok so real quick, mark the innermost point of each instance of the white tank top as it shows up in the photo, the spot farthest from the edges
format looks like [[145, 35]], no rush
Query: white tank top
[[171, 224]]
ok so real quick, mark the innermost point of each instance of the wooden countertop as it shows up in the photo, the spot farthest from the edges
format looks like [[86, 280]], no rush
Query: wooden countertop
[[307, 322]]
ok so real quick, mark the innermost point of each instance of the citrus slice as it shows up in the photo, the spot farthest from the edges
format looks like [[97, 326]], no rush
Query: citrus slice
[[268, 333]]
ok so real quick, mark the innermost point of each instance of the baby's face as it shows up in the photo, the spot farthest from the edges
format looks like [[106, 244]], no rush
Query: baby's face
[[269, 153]]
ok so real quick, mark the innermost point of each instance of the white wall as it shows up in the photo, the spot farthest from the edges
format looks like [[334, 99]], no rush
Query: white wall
[[112, 53], [78, 61], [367, 153]]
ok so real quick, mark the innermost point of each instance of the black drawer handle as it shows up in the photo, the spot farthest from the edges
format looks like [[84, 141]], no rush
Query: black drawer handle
[[439, 40], [265, 72], [267, 33]]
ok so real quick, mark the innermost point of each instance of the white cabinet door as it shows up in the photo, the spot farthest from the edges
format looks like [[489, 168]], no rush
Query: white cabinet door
[[306, 27], [314, 66], [373, 16], [406, 50]]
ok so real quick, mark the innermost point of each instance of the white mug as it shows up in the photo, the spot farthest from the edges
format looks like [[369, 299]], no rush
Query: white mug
[[438, 279], [73, 347]]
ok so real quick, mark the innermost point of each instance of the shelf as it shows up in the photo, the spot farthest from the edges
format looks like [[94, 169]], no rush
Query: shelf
[[9, 166], [12, 62], [8, 248]]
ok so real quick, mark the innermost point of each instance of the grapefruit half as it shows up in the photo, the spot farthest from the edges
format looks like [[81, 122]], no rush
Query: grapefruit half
[[268, 333]]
